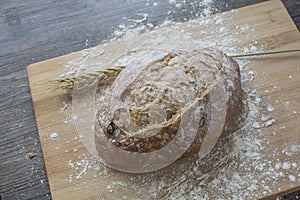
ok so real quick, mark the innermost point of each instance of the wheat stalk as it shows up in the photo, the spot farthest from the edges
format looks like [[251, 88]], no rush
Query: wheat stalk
[[264, 53], [69, 82]]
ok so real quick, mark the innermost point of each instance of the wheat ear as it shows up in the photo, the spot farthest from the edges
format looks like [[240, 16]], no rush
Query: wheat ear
[[69, 82]]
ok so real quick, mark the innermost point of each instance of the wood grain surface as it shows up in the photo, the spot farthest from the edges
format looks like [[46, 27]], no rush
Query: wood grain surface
[[32, 31]]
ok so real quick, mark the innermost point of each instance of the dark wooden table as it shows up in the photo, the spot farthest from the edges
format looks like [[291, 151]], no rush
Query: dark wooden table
[[31, 31]]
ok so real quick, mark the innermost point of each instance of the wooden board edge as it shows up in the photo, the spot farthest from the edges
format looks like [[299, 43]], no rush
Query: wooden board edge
[[275, 2], [28, 69], [279, 194], [287, 13]]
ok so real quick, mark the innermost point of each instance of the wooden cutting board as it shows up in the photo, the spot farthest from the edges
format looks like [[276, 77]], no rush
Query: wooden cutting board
[[74, 174]]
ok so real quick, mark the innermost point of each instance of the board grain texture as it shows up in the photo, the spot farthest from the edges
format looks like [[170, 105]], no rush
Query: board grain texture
[[33, 31], [274, 29]]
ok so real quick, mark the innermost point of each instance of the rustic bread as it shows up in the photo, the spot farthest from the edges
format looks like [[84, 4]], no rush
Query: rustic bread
[[154, 102]]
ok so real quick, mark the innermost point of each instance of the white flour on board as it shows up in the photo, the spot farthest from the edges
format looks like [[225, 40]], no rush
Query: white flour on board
[[234, 164]]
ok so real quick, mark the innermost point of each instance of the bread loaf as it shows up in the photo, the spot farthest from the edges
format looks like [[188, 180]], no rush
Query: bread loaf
[[149, 115]]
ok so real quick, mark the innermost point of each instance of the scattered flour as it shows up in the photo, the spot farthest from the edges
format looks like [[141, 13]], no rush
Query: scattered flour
[[269, 122], [54, 136], [292, 178], [85, 164], [286, 165], [113, 186], [81, 167], [236, 168]]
